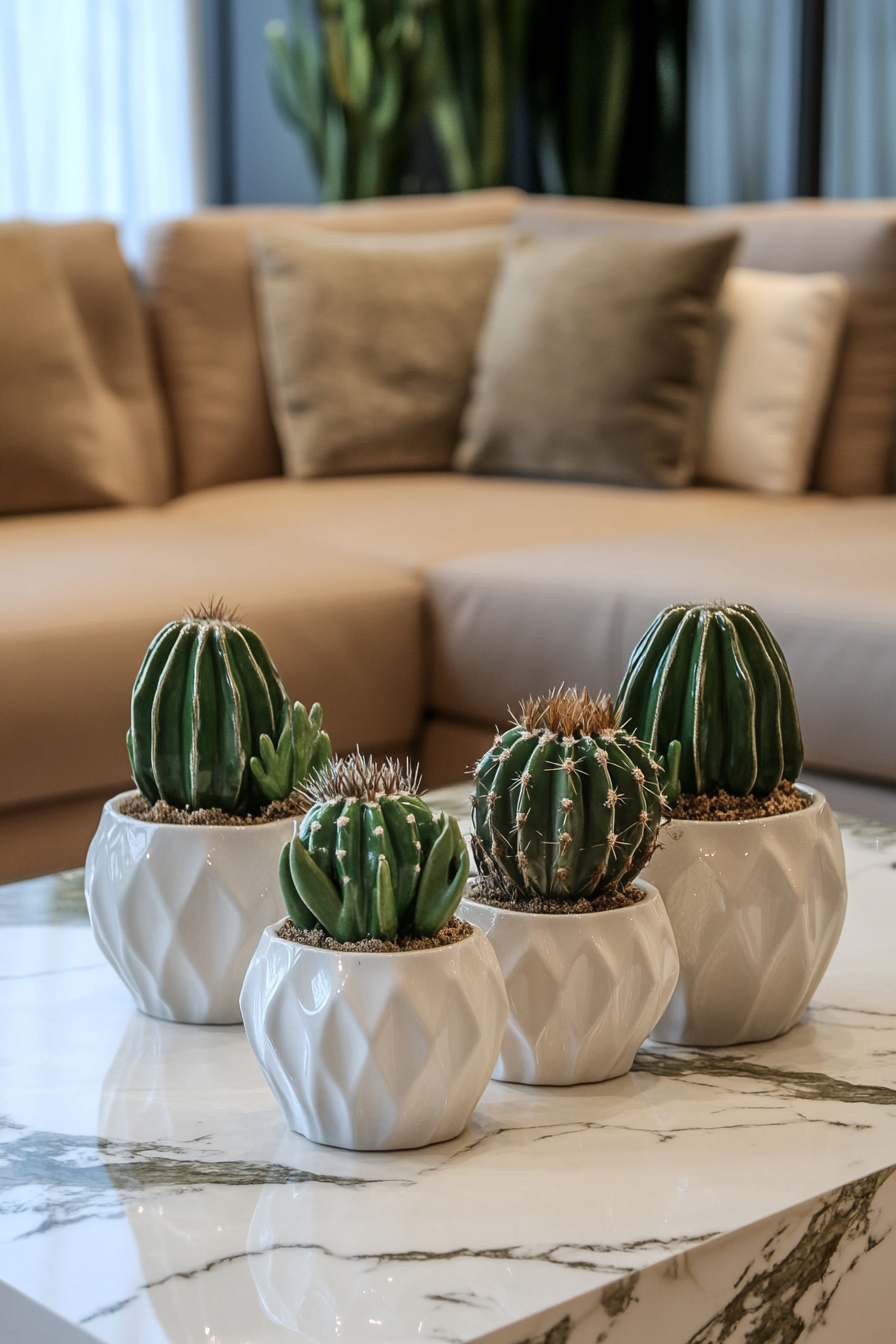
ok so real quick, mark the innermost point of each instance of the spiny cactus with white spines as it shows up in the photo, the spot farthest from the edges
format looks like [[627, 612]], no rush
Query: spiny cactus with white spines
[[566, 804], [370, 859]]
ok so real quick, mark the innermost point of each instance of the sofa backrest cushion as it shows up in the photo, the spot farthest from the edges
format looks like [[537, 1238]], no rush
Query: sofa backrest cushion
[[81, 421], [593, 359], [369, 342], [856, 239], [199, 272]]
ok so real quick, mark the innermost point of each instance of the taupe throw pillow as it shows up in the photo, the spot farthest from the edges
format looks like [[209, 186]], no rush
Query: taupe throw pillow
[[66, 441], [369, 342], [592, 360]]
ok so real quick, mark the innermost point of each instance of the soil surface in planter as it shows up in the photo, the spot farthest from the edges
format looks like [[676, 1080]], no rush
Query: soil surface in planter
[[141, 809], [488, 892], [724, 806], [455, 931]]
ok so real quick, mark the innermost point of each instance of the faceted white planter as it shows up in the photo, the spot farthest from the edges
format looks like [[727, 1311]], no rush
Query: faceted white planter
[[757, 908], [178, 910], [375, 1050], [585, 990]]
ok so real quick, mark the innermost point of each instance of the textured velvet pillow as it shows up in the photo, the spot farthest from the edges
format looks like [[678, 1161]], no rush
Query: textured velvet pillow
[[593, 358], [369, 342], [66, 439]]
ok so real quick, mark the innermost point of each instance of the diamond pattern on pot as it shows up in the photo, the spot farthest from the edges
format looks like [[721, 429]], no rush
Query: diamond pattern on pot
[[757, 908], [375, 1050], [584, 990], [178, 910]]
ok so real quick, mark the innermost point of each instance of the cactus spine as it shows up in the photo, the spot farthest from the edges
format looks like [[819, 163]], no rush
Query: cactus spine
[[370, 860], [565, 803], [714, 678], [206, 692]]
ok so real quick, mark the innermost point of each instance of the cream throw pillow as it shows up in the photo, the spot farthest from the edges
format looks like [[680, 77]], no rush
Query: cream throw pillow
[[66, 441], [593, 359], [780, 339], [369, 342]]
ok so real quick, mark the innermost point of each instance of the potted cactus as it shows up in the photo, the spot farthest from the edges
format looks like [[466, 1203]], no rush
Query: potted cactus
[[374, 1013], [751, 863], [181, 875], [566, 810]]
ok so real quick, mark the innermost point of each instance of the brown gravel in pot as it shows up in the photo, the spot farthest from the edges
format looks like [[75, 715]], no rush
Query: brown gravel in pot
[[488, 893], [724, 806], [141, 809], [455, 931]]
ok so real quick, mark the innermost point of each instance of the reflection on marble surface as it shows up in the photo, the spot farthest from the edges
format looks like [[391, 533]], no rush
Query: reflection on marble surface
[[151, 1194]]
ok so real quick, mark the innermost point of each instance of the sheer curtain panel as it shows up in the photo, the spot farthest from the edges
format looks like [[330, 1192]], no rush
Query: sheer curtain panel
[[98, 112], [858, 145], [743, 100]]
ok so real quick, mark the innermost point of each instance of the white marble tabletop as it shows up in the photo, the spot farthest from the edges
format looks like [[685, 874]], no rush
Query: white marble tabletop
[[150, 1191]]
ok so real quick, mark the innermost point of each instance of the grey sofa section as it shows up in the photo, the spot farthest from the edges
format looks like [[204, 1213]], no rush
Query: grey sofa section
[[503, 626]]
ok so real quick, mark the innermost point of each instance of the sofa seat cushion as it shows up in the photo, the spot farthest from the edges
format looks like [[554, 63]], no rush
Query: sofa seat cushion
[[82, 594], [418, 520], [822, 575]]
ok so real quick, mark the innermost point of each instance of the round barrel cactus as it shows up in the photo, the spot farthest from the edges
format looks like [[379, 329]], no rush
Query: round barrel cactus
[[565, 803], [370, 859], [714, 678], [206, 693]]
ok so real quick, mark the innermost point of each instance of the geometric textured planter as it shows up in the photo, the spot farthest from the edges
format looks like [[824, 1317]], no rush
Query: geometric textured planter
[[757, 908], [178, 910], [375, 1050], [585, 991]]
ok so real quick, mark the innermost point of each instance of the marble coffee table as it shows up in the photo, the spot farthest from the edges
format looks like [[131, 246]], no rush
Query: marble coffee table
[[150, 1191]]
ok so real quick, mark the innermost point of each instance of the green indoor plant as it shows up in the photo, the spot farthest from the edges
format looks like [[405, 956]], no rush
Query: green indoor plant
[[375, 1016], [751, 865], [566, 810], [182, 874], [353, 77]]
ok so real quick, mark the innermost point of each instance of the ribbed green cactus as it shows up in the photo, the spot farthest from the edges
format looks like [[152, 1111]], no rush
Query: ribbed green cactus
[[370, 859], [565, 803], [714, 678], [206, 693]]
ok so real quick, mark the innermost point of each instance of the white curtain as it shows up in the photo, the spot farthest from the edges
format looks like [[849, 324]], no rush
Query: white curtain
[[859, 124], [743, 91], [98, 112]]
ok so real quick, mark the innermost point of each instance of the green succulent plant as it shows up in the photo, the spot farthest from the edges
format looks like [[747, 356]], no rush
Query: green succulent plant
[[714, 678], [370, 859], [208, 698], [565, 803], [302, 749]]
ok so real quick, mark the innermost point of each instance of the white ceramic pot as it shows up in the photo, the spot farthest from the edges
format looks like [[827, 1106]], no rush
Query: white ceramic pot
[[584, 990], [375, 1050], [178, 910], [757, 908]]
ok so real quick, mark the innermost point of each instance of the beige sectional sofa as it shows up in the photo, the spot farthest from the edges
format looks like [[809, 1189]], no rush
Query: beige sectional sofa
[[417, 607]]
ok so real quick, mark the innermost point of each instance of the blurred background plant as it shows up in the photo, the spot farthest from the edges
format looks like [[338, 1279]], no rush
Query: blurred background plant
[[583, 97], [479, 68], [351, 77]]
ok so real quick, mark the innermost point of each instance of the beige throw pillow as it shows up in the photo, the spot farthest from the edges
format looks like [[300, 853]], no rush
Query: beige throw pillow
[[369, 342], [592, 360], [780, 339], [65, 441]]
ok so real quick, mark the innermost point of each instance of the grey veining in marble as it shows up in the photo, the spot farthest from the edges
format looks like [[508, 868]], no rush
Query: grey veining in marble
[[149, 1191]]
